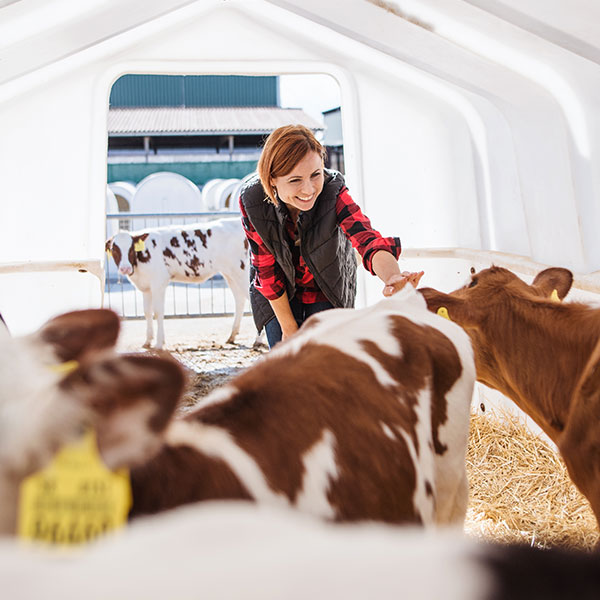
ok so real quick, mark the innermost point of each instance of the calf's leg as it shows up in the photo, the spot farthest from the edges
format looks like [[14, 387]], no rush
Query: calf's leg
[[452, 503], [239, 296], [148, 314], [158, 305]]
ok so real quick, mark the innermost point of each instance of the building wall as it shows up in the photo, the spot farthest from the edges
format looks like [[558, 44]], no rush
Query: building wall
[[194, 90], [197, 172]]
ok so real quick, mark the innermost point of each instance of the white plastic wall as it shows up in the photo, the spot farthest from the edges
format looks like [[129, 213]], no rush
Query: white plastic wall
[[164, 192], [124, 190], [225, 190], [209, 193], [111, 207], [469, 132]]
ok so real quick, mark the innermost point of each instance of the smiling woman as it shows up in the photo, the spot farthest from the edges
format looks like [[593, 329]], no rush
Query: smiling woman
[[301, 239]]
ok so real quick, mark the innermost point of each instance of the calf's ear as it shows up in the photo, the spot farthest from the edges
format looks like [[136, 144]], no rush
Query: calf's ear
[[131, 399], [448, 306], [436, 300], [73, 334], [554, 281]]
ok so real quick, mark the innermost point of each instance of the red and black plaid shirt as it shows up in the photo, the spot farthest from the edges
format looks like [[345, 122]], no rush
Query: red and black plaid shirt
[[270, 280]]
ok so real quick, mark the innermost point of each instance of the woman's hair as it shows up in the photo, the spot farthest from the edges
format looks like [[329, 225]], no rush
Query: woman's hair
[[283, 150]]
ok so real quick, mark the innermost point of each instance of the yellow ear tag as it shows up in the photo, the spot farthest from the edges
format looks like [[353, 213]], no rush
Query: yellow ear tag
[[554, 296], [75, 498], [443, 312], [64, 368], [140, 246], [109, 252]]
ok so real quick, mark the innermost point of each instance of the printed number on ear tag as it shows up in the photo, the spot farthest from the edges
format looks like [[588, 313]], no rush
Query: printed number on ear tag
[[140, 246], [443, 312], [75, 498]]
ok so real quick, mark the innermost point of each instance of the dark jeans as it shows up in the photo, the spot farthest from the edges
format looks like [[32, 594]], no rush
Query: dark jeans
[[300, 311]]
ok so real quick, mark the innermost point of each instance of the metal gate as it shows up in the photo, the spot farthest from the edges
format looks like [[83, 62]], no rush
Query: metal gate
[[209, 299]]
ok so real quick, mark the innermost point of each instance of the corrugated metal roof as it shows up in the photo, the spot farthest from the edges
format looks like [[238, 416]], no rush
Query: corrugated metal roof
[[205, 121]]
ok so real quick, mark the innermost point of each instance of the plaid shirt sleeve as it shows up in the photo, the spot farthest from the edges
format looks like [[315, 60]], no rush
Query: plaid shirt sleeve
[[361, 234], [269, 279]]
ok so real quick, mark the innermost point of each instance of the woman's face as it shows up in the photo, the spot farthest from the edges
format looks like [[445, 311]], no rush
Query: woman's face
[[299, 188]]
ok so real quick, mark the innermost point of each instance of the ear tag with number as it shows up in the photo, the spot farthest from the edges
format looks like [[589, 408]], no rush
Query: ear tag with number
[[140, 246], [75, 498], [443, 312], [554, 296]]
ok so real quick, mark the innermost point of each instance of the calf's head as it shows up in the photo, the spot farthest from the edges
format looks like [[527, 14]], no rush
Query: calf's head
[[124, 248], [66, 378], [485, 306]]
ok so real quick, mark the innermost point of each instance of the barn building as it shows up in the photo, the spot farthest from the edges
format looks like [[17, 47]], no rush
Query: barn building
[[471, 127], [200, 126]]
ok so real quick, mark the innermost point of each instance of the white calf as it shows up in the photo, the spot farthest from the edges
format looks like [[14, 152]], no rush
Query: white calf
[[186, 253], [239, 552]]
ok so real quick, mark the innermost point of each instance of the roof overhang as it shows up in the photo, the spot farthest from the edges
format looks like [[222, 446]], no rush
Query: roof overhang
[[168, 121]]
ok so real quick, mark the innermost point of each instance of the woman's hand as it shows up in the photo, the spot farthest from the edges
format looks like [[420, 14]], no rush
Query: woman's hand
[[288, 330], [396, 282], [386, 267]]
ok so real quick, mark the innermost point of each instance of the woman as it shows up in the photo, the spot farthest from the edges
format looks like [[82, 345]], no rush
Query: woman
[[301, 236]]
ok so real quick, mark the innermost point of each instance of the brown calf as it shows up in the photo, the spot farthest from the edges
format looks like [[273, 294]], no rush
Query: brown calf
[[543, 354]]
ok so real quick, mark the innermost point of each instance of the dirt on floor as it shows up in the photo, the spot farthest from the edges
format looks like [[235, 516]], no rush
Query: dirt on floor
[[199, 344]]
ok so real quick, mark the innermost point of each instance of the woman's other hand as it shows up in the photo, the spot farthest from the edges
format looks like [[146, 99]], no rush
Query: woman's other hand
[[288, 330]]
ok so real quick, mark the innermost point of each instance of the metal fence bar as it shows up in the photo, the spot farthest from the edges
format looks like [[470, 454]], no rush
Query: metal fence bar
[[183, 215], [187, 299]]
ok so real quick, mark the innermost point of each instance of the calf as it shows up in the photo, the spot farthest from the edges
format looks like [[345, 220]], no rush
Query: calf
[[189, 254], [361, 415], [543, 354], [242, 552], [65, 378]]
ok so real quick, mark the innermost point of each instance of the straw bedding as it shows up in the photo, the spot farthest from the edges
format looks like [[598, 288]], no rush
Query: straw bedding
[[519, 487]]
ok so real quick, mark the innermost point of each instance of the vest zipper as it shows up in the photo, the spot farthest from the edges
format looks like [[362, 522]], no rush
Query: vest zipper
[[311, 267]]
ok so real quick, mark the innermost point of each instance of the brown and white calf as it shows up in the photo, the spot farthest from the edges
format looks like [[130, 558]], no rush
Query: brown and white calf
[[129, 400], [361, 415], [541, 353], [190, 254]]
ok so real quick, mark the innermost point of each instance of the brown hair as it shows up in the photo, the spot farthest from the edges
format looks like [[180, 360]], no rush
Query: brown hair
[[283, 150]]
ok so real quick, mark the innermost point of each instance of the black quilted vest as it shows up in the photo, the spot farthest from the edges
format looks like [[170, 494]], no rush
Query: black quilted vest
[[323, 245]]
